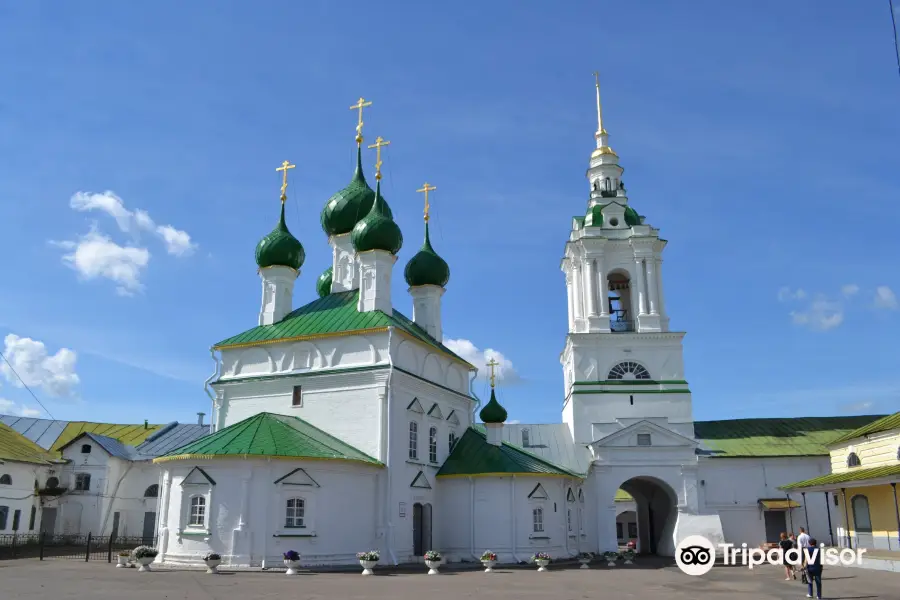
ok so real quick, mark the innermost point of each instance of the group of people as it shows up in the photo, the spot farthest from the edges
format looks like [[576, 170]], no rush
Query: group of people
[[811, 557]]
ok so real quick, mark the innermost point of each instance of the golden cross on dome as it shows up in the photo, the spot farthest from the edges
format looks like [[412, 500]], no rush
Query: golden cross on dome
[[426, 188], [493, 363], [284, 169], [360, 105], [378, 145]]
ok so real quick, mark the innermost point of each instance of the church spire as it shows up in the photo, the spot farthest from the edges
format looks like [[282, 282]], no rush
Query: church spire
[[601, 136]]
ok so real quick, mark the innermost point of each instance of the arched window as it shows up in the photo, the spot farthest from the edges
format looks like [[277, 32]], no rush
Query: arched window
[[85, 448], [452, 441], [295, 512], [52, 483], [5, 479], [198, 512], [432, 444], [152, 491], [853, 460], [628, 370], [526, 437], [606, 186], [537, 519], [413, 440], [581, 495]]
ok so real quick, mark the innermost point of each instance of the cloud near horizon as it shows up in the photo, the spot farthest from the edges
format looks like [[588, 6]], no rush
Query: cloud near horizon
[[505, 371], [53, 374], [823, 312]]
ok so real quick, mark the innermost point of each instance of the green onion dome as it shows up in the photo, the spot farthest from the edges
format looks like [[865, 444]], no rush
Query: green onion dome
[[323, 285], [492, 411], [377, 230], [348, 206], [280, 248], [631, 217], [426, 267], [594, 216]]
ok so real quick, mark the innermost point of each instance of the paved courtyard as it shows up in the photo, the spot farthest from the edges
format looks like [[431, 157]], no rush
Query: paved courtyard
[[52, 580]]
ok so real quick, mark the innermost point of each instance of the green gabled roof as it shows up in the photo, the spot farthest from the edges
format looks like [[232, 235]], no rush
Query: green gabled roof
[[267, 435], [335, 314], [854, 475], [16, 447], [474, 456], [883, 424], [800, 436]]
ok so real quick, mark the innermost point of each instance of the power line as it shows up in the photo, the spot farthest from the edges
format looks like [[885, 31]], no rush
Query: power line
[[25, 385], [894, 26]]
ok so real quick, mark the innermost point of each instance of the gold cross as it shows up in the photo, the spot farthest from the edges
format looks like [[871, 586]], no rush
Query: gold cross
[[360, 105], [493, 363], [427, 188], [378, 145], [284, 169]]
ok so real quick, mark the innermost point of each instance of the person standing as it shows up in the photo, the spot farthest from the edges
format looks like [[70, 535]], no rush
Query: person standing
[[802, 539], [785, 544], [813, 556]]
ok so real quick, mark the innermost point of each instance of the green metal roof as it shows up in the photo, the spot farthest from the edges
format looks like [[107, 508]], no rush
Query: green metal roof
[[800, 436], [335, 314], [473, 456], [16, 447], [854, 475], [267, 435], [426, 267], [884, 424]]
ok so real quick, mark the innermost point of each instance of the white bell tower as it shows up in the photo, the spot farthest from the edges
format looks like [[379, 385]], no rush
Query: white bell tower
[[621, 363]]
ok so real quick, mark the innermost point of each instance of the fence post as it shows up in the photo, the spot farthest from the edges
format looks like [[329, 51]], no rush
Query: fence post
[[87, 555], [41, 545]]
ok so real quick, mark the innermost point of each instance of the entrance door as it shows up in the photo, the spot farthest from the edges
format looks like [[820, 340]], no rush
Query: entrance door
[[862, 522], [149, 528], [426, 528], [417, 530], [776, 524], [48, 521]]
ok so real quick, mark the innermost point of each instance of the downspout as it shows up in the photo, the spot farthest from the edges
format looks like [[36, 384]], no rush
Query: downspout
[[112, 497], [387, 455], [215, 412]]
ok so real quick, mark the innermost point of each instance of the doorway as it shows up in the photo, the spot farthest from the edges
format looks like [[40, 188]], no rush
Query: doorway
[[776, 524], [421, 528], [149, 528], [654, 517], [862, 522]]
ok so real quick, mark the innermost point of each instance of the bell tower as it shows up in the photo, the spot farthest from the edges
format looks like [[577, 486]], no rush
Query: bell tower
[[621, 363]]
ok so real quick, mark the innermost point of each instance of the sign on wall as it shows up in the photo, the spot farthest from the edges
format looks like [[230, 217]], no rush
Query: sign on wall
[[403, 509]]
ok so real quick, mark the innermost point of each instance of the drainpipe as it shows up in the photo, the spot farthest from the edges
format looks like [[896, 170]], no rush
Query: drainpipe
[[896, 509], [805, 510], [828, 511], [215, 413], [387, 456], [112, 497]]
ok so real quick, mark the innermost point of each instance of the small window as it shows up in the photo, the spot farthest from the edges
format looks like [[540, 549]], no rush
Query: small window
[[643, 439], [152, 491], [83, 482], [17, 516], [85, 448], [295, 513], [198, 512], [569, 518], [297, 397], [898, 452], [581, 495], [853, 460], [413, 440], [4, 515], [32, 518], [5, 479], [526, 438], [537, 519], [432, 444], [52, 483], [452, 441]]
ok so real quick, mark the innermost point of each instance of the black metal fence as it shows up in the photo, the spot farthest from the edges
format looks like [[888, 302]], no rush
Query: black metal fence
[[73, 547]]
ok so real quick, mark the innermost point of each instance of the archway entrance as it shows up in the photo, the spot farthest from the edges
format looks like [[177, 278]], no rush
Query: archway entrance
[[421, 528], [655, 514]]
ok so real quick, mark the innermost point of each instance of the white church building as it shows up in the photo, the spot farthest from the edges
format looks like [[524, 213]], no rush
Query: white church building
[[343, 426]]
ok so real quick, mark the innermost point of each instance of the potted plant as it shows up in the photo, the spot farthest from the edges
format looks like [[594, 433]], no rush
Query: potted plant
[[489, 559], [292, 561], [212, 561], [124, 555], [433, 560], [368, 560], [585, 559], [611, 558], [628, 555], [541, 559], [144, 555]]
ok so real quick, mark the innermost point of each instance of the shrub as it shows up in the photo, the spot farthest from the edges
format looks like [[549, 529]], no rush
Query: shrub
[[291, 555], [125, 553], [540, 556], [488, 555], [433, 555], [144, 552], [585, 555], [610, 555], [371, 555], [212, 556]]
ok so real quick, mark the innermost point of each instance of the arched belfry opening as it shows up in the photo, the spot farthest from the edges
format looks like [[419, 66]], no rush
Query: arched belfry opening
[[618, 283], [655, 512]]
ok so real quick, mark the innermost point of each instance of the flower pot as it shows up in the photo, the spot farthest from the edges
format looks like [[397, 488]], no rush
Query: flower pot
[[145, 562], [629, 560], [292, 566], [489, 565], [610, 562], [367, 566], [584, 562], [433, 566], [213, 565], [542, 564], [123, 562]]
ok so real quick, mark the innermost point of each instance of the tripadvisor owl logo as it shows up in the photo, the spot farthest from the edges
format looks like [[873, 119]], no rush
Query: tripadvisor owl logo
[[695, 555]]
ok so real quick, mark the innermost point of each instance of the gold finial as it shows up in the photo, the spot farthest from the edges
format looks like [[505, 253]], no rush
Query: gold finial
[[284, 169], [378, 145], [426, 188], [360, 105], [493, 363], [599, 111]]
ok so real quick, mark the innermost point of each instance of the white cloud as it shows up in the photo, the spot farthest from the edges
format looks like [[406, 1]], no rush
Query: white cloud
[[850, 289], [52, 373], [471, 353], [95, 255], [885, 298], [514, 422], [821, 314], [8, 407], [177, 241], [785, 294], [857, 408]]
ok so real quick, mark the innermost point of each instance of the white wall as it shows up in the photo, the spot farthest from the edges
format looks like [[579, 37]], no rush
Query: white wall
[[19, 496]]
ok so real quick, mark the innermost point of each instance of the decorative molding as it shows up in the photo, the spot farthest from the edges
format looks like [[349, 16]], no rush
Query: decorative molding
[[304, 479], [538, 493], [420, 481], [452, 418], [416, 407], [435, 411], [201, 478]]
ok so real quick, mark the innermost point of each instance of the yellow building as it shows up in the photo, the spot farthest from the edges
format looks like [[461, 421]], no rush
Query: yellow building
[[861, 490]]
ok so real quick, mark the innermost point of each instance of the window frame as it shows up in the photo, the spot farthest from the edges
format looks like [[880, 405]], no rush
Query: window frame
[[190, 524], [853, 460], [82, 482], [537, 520], [413, 440], [86, 448], [526, 437], [451, 441], [155, 488], [432, 445], [6, 479], [303, 513], [644, 436]]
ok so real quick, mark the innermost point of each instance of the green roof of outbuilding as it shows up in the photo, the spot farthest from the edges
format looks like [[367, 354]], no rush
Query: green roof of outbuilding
[[799, 436], [851, 476], [323, 284], [267, 435], [474, 456], [881, 425], [16, 447], [335, 314]]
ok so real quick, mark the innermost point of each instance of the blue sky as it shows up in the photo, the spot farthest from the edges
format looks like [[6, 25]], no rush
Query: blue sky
[[759, 137]]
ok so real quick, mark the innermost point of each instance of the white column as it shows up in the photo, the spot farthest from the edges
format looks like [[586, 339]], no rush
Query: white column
[[651, 287], [579, 298], [604, 292], [591, 275], [571, 298], [641, 293], [659, 288]]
